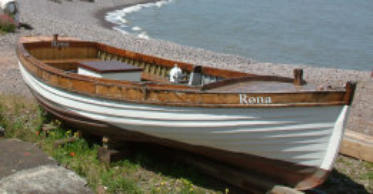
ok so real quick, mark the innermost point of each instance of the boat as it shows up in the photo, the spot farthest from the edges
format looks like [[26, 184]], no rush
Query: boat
[[281, 128]]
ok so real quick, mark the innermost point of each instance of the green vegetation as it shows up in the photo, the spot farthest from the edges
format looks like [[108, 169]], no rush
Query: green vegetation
[[141, 172], [6, 24], [20, 117], [144, 171]]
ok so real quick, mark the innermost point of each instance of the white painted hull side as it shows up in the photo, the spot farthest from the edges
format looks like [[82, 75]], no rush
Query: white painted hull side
[[302, 135]]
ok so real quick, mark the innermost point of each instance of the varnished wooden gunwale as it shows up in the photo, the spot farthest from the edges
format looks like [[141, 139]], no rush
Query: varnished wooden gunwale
[[167, 94]]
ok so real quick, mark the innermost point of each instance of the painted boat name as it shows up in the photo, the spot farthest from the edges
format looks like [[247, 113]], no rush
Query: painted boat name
[[244, 99], [59, 44]]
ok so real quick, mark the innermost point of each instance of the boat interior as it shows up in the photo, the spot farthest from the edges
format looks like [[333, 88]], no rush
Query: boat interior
[[104, 61]]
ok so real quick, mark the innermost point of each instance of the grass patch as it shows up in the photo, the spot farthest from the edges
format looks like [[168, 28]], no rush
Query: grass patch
[[21, 118], [6, 24], [142, 172], [81, 157], [130, 175], [350, 176]]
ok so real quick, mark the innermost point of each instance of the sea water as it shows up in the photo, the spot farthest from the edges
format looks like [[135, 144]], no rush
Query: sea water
[[326, 33]]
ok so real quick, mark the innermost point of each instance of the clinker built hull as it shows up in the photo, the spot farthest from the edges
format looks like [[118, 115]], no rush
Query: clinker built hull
[[301, 137], [274, 127]]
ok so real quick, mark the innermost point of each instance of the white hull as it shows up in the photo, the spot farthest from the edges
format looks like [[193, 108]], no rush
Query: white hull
[[301, 135]]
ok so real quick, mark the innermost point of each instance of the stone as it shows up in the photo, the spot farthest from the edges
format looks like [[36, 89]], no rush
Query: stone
[[44, 179]]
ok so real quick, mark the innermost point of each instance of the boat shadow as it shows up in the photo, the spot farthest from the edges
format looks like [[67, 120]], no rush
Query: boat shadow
[[172, 163], [339, 183]]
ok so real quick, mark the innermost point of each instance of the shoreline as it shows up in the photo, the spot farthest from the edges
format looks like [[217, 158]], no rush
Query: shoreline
[[101, 13], [69, 19], [82, 20]]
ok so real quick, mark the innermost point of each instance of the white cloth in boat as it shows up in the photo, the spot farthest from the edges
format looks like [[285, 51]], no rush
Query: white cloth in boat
[[176, 74]]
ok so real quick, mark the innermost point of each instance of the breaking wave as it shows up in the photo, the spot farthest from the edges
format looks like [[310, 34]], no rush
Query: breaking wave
[[118, 17]]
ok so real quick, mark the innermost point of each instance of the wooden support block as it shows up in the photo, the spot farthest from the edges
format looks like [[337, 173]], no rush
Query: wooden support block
[[64, 141], [48, 127], [105, 141], [105, 155], [357, 145]]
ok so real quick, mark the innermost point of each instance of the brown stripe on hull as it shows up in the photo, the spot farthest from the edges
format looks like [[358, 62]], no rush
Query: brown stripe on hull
[[268, 171]]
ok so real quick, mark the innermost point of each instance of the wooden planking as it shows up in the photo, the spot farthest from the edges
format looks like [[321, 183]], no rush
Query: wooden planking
[[65, 66], [156, 91], [70, 60], [46, 53], [186, 96], [357, 145], [176, 95], [154, 78]]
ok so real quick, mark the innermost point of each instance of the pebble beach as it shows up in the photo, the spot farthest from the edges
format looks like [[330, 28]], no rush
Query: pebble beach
[[86, 21]]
